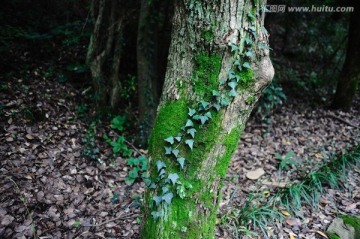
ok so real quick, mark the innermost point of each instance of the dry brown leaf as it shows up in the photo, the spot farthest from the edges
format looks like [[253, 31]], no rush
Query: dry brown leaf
[[293, 222], [352, 206], [322, 234], [255, 174]]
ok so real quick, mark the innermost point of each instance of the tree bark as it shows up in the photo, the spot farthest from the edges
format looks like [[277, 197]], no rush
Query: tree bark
[[104, 51], [209, 38], [149, 61], [350, 75]]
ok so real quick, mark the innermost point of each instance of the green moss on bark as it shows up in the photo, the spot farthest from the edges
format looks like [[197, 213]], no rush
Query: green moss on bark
[[354, 222], [246, 78], [206, 73], [230, 142]]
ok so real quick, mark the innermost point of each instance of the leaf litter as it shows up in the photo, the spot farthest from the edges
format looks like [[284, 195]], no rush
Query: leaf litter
[[48, 189]]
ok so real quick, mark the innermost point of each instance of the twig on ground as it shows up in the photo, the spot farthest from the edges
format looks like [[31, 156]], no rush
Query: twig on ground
[[342, 120], [111, 220]]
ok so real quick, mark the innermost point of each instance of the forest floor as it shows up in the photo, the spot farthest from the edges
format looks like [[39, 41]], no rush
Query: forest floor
[[49, 190]]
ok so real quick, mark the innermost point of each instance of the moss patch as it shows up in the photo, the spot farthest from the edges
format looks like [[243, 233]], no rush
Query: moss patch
[[230, 142], [208, 36], [246, 77], [206, 73], [354, 222]]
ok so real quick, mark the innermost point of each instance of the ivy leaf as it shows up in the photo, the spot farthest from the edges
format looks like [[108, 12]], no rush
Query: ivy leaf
[[233, 47], [204, 104], [232, 93], [156, 214], [217, 106], [191, 112], [157, 200], [246, 65], [196, 117], [224, 101], [237, 63], [192, 132], [208, 114], [249, 54], [189, 123], [222, 82], [168, 197], [231, 74], [173, 177], [160, 165], [215, 93], [181, 161], [178, 138], [203, 119], [165, 189], [238, 78], [168, 150], [162, 172], [170, 140], [175, 152], [248, 41], [147, 182], [232, 84], [190, 143]]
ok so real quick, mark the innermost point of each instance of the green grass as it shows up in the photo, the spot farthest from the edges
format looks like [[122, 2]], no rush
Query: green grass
[[259, 212]]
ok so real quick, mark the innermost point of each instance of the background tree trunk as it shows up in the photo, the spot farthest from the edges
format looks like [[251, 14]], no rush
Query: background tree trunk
[[200, 65], [104, 51], [350, 74], [151, 43]]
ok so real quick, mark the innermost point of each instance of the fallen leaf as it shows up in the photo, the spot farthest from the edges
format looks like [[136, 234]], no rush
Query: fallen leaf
[[285, 213], [276, 184], [351, 206], [321, 234], [7, 220], [293, 222], [292, 235], [255, 174], [10, 139]]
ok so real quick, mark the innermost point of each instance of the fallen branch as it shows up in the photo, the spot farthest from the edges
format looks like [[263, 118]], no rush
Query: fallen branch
[[110, 220], [342, 120]]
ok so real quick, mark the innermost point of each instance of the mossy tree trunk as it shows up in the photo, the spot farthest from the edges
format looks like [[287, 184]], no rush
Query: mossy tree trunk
[[350, 74], [218, 66], [152, 20], [104, 51]]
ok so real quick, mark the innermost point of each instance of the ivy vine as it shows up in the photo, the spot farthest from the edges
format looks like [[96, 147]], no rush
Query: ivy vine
[[199, 115]]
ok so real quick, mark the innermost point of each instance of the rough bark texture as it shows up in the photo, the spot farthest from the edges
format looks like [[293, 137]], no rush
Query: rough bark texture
[[151, 43], [199, 58], [350, 74], [104, 51]]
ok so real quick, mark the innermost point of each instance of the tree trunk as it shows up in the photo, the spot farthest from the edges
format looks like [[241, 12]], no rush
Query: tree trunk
[[104, 51], [218, 66], [350, 74], [149, 60]]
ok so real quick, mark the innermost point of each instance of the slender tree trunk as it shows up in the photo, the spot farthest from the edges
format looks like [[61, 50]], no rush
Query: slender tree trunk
[[350, 74], [218, 66], [104, 51], [149, 53]]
